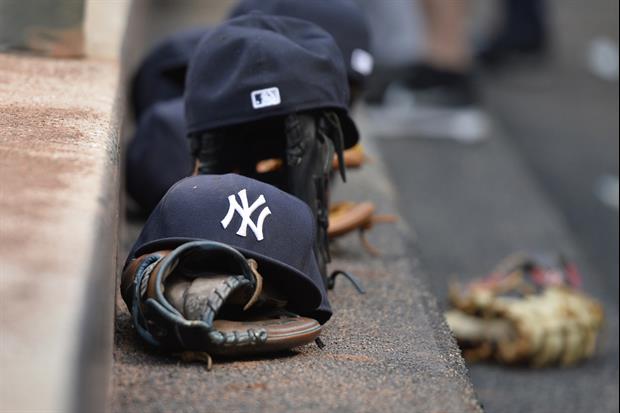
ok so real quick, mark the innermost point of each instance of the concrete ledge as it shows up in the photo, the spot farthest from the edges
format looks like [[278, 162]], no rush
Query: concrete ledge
[[58, 227], [388, 350]]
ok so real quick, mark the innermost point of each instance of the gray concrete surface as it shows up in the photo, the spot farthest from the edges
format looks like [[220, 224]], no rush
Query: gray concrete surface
[[470, 207], [388, 350], [563, 122]]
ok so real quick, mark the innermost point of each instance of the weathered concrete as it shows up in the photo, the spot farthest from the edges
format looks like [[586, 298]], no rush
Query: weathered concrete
[[59, 203], [58, 227]]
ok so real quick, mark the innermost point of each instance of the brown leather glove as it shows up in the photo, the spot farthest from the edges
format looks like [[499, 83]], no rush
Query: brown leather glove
[[354, 157], [345, 217], [204, 298]]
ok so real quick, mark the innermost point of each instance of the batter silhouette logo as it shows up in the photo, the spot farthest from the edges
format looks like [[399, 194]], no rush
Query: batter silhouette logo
[[265, 97], [245, 210]]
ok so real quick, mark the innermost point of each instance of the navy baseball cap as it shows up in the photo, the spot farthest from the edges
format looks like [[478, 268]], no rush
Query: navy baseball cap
[[159, 154], [161, 75], [261, 221], [257, 66], [343, 19]]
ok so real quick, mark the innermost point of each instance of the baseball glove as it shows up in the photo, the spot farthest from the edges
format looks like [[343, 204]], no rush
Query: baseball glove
[[525, 313], [305, 142], [345, 217], [205, 299], [353, 157]]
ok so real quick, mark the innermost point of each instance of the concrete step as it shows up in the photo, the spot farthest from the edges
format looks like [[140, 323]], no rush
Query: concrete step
[[388, 350], [59, 203], [471, 206], [58, 226]]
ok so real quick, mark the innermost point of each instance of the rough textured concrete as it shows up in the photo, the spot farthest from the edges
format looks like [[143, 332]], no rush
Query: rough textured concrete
[[58, 221], [388, 350]]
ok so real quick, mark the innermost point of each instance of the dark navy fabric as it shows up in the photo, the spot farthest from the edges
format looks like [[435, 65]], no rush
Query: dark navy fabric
[[343, 19], [161, 76], [159, 154], [249, 58], [196, 208]]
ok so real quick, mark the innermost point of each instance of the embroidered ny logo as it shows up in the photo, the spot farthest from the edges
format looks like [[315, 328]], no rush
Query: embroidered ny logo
[[245, 211]]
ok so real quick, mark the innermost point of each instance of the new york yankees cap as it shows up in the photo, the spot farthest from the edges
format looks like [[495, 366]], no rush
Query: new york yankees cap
[[159, 154], [261, 221], [257, 66], [161, 75], [343, 19]]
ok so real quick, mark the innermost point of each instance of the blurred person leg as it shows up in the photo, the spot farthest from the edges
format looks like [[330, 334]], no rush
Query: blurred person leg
[[437, 97], [447, 33], [446, 65], [522, 31]]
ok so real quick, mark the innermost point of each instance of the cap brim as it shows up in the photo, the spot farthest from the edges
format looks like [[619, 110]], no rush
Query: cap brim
[[296, 284]]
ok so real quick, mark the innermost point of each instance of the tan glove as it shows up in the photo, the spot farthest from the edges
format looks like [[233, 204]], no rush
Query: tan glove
[[510, 318]]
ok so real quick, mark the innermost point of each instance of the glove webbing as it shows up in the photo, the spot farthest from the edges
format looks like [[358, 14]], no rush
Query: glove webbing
[[162, 308]]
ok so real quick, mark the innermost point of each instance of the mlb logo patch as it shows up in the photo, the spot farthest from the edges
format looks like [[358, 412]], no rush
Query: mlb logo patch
[[265, 97]]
